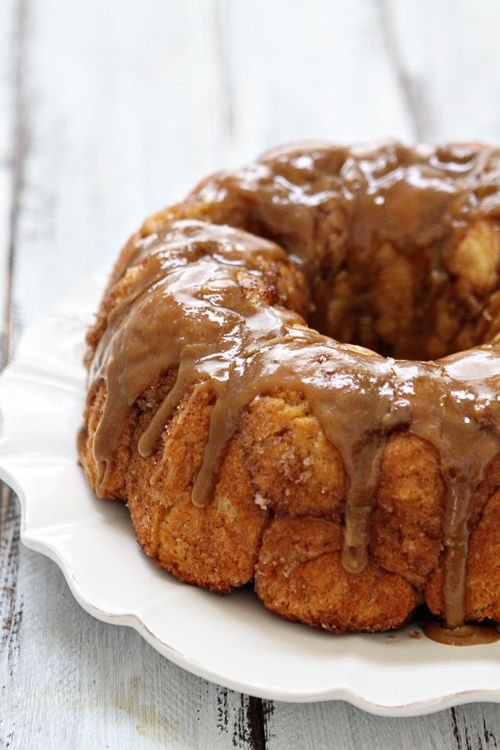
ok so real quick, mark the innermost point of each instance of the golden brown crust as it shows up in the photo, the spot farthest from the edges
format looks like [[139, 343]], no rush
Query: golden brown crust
[[216, 546], [483, 566], [277, 513], [408, 515], [300, 576]]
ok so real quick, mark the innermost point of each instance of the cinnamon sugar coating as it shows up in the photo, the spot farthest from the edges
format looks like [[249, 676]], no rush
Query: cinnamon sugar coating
[[294, 379]]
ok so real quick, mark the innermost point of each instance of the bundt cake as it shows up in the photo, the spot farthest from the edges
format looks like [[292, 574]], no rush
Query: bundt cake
[[294, 379]]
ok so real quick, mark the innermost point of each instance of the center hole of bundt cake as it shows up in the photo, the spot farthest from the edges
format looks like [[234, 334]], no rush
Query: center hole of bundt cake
[[394, 330], [400, 305]]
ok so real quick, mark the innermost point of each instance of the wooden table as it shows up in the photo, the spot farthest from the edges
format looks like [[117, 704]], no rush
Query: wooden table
[[109, 110]]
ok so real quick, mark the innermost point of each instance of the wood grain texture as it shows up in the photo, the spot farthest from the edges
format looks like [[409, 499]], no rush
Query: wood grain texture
[[78, 682], [447, 57], [110, 127], [327, 725], [12, 158], [11, 144], [108, 111]]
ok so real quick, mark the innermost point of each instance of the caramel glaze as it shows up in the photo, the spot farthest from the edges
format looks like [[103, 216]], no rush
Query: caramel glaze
[[463, 635], [335, 214]]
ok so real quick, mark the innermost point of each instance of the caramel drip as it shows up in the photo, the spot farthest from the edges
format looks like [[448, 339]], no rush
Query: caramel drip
[[463, 635], [185, 313]]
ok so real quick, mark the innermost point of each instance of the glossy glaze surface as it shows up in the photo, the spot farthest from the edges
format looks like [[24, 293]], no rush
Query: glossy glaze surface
[[334, 212]]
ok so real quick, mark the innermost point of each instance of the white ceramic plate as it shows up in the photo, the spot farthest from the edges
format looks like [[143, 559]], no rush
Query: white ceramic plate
[[232, 641]]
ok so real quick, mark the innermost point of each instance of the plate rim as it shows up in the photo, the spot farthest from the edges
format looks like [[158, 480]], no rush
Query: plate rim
[[76, 306]]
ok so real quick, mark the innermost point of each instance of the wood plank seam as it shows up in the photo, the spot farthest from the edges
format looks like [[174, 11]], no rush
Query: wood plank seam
[[19, 152], [413, 90], [11, 610], [11, 607], [223, 70]]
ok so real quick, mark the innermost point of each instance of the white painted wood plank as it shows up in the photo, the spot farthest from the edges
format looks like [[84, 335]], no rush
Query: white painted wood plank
[[323, 726], [8, 60], [303, 70], [120, 99], [450, 51], [80, 683], [10, 144], [344, 727]]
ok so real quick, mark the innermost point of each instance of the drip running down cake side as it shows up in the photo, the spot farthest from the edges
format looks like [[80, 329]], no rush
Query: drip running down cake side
[[294, 379]]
